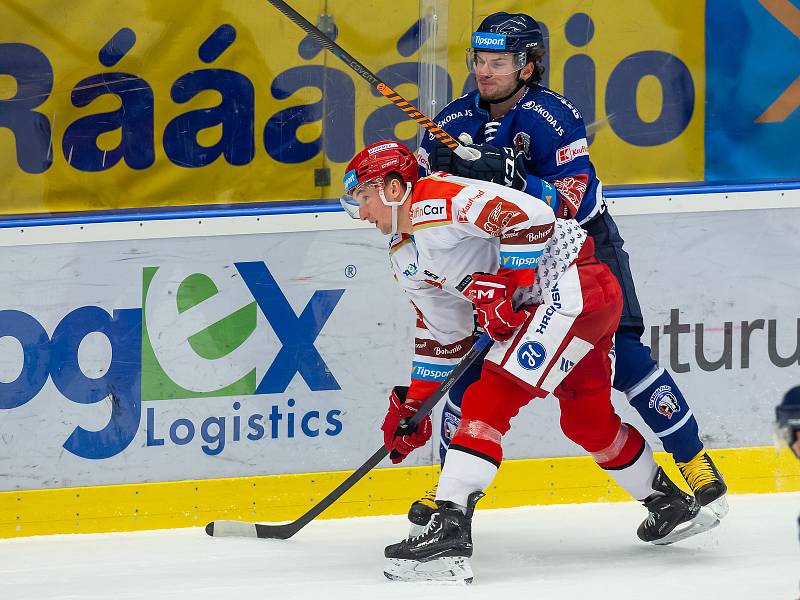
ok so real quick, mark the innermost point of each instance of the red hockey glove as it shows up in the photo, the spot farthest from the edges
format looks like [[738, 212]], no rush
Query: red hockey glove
[[398, 438], [491, 295]]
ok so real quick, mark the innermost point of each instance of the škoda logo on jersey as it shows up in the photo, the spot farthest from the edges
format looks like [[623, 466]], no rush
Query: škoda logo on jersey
[[430, 212]]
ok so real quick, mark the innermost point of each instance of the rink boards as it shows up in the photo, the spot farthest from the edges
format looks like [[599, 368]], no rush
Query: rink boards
[[159, 373], [386, 491]]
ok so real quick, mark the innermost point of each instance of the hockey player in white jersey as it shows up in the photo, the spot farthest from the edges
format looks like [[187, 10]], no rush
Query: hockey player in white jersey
[[550, 306]]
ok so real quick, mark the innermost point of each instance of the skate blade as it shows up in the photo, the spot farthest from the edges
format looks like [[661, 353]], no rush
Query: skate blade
[[450, 569], [703, 521], [719, 507]]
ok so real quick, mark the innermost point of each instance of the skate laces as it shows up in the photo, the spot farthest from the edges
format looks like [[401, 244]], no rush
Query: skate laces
[[429, 498], [699, 471], [431, 523]]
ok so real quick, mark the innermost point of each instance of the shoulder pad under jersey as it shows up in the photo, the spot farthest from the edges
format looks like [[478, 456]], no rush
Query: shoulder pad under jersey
[[551, 111], [460, 109]]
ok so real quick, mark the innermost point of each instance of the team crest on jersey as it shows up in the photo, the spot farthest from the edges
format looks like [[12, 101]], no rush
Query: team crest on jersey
[[429, 212], [410, 270], [664, 401], [496, 216], [522, 143], [449, 425], [572, 189]]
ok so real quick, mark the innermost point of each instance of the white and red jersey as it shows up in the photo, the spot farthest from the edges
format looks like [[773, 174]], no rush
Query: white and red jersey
[[462, 226]]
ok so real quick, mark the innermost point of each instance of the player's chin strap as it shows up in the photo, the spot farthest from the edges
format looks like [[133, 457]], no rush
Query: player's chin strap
[[395, 205], [521, 83], [518, 87]]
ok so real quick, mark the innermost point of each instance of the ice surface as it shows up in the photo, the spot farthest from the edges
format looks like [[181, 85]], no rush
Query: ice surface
[[550, 552]]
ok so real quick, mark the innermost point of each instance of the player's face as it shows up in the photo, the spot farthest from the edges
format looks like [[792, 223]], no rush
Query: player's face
[[796, 446], [372, 208], [495, 74]]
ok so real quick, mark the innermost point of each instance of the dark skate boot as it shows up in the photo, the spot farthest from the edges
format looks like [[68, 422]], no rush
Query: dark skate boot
[[674, 514], [421, 510], [441, 552], [706, 483]]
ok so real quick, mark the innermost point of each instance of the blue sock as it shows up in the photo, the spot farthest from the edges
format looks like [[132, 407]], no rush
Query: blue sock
[[664, 409], [451, 415]]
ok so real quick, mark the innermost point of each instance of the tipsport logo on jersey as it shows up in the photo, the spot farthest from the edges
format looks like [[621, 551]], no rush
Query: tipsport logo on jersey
[[228, 331]]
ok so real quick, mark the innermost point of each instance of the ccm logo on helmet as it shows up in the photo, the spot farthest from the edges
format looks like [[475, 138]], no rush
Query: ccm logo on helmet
[[491, 41]]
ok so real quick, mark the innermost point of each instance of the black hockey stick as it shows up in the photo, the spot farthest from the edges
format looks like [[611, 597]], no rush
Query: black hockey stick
[[380, 85], [287, 530]]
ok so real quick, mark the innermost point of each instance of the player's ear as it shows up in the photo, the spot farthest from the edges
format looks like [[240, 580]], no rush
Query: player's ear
[[397, 188], [527, 71]]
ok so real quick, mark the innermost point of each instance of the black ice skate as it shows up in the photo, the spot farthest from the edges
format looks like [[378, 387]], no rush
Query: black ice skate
[[421, 510], [441, 552], [674, 515], [706, 483]]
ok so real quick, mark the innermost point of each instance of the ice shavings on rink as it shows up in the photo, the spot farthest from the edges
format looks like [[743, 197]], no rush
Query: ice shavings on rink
[[548, 552]]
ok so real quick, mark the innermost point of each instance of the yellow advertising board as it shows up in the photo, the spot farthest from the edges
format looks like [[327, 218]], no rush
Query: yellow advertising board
[[152, 104]]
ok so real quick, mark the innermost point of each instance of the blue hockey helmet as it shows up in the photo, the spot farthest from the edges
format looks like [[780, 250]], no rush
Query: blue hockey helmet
[[787, 420], [517, 35], [508, 32]]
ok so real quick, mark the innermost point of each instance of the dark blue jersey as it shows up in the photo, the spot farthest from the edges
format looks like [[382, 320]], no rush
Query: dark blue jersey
[[550, 132]]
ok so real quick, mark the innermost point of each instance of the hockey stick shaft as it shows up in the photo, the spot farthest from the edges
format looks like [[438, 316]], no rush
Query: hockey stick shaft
[[411, 111], [287, 530]]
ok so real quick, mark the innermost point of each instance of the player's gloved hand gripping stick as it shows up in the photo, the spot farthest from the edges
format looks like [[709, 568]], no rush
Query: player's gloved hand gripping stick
[[287, 530]]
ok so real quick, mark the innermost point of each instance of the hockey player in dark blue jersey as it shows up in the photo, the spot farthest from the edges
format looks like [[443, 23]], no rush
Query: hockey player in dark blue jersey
[[787, 422], [518, 130]]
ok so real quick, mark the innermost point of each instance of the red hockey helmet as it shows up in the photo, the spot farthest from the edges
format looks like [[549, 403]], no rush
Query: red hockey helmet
[[377, 160]]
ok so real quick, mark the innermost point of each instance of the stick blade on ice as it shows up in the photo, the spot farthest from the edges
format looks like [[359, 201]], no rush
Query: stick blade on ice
[[231, 529]]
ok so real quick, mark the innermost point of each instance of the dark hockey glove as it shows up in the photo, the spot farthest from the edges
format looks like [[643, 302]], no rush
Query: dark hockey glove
[[480, 161], [398, 438]]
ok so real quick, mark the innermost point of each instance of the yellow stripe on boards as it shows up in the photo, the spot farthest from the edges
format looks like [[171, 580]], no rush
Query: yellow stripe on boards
[[384, 491]]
